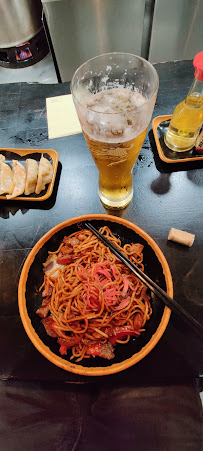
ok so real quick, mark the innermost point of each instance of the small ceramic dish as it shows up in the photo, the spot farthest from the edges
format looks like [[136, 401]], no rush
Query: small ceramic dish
[[21, 155], [159, 126], [30, 298]]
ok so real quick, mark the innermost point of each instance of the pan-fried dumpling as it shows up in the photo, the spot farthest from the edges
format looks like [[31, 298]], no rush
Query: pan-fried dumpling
[[31, 176], [19, 176], [2, 157], [6, 177], [45, 174]]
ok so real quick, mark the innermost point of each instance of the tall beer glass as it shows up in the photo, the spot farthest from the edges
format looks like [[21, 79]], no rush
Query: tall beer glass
[[114, 96]]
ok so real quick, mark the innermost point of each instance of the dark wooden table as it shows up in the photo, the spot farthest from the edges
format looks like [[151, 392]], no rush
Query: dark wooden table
[[165, 196]]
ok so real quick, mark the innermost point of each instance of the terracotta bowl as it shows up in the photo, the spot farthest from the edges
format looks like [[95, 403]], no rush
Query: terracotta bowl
[[30, 298]]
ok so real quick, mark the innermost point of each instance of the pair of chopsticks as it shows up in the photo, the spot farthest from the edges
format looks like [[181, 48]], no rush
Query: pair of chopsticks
[[171, 303]]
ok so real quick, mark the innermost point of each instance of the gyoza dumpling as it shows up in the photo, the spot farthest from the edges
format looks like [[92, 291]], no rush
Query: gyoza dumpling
[[44, 175], [2, 157], [6, 177], [19, 176], [31, 176]]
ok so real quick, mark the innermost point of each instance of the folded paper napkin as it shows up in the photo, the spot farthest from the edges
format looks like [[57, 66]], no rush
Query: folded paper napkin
[[62, 117]]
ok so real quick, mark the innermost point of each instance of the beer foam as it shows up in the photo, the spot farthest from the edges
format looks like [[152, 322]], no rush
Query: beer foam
[[115, 101], [115, 115]]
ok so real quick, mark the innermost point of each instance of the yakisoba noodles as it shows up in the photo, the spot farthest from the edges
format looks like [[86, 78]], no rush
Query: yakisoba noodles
[[91, 300]]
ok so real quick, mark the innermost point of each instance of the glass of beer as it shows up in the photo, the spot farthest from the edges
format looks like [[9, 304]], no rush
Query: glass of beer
[[114, 96]]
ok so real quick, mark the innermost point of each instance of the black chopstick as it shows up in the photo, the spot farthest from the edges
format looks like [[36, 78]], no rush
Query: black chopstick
[[171, 303]]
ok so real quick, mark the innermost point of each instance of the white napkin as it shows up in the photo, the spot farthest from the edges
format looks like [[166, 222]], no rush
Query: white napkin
[[62, 117]]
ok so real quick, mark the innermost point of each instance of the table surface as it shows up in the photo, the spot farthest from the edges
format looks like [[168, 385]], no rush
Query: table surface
[[165, 196]]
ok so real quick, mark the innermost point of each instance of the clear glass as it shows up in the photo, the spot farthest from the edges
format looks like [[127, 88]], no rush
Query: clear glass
[[114, 96]]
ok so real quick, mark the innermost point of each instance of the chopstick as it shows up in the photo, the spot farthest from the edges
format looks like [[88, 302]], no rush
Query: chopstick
[[171, 303]]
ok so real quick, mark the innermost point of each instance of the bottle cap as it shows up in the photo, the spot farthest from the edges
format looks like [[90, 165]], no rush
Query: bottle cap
[[198, 64]]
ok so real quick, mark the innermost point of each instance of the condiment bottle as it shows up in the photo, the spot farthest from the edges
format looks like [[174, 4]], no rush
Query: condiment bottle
[[187, 117]]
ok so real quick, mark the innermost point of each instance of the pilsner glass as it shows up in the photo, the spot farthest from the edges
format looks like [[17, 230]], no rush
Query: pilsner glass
[[114, 96]]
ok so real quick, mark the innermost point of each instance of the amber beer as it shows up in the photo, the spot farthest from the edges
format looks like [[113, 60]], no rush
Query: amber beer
[[113, 154], [114, 95], [115, 162]]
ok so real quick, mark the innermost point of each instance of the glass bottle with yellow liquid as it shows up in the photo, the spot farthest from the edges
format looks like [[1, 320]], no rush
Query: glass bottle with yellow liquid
[[187, 117]]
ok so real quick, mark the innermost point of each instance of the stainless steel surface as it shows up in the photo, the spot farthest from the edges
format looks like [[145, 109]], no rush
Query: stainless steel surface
[[82, 29], [158, 30], [41, 72], [20, 20], [177, 30]]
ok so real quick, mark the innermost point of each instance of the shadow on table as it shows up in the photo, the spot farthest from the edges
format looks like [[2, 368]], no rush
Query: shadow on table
[[162, 183]]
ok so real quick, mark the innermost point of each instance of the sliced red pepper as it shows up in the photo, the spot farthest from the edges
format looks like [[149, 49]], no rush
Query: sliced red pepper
[[121, 332], [65, 260], [66, 344]]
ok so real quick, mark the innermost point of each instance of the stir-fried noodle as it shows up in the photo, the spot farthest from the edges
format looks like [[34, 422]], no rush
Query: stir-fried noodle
[[91, 300]]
